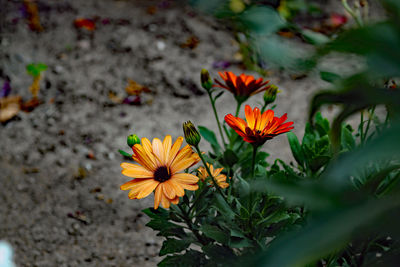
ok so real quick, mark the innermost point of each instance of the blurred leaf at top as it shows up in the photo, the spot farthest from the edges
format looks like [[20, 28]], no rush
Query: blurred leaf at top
[[35, 69]]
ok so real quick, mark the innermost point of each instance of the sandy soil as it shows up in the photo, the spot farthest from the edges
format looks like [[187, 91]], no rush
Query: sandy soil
[[60, 175]]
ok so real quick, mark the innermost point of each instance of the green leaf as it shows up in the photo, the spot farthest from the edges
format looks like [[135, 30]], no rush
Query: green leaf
[[218, 95], [296, 148], [219, 253], [159, 213], [275, 217], [316, 197], [347, 139], [230, 157], [125, 154], [240, 243], [223, 207], [314, 38], [329, 76], [321, 124], [171, 245], [262, 20], [215, 233], [190, 258], [209, 136], [326, 233], [35, 69]]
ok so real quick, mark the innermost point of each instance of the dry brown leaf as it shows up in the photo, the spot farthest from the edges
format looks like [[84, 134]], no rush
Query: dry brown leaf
[[9, 107]]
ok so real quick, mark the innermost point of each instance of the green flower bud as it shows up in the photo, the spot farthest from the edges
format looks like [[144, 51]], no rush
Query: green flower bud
[[192, 136], [270, 94], [132, 140], [206, 81]]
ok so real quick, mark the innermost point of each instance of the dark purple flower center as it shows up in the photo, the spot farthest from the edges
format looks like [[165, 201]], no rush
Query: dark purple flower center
[[162, 174]]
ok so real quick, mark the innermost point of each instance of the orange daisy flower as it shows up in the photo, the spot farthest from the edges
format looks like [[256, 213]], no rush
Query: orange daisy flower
[[219, 178], [160, 164], [243, 86], [259, 127]]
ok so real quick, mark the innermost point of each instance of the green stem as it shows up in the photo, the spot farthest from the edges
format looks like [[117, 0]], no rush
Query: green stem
[[251, 196], [263, 108], [210, 174], [200, 196], [356, 16], [362, 126], [253, 161], [371, 113], [239, 104], [190, 225], [217, 119]]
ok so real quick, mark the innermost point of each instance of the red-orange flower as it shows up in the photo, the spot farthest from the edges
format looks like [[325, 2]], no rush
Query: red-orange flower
[[87, 24], [242, 86], [259, 127]]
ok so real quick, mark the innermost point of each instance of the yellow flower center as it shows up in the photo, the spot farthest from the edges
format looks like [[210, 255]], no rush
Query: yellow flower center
[[162, 174]]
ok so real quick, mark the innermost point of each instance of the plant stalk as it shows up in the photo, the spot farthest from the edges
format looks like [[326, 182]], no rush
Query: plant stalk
[[210, 174], [217, 119]]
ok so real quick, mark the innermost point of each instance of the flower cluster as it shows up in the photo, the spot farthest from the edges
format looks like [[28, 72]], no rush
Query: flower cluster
[[160, 164]]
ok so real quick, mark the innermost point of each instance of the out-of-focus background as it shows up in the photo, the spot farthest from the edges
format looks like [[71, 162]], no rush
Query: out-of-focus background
[[60, 203]]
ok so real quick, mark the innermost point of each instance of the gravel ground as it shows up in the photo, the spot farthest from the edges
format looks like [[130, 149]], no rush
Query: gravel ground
[[60, 175]]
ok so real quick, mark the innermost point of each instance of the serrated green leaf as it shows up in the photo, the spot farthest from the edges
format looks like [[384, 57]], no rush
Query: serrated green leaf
[[296, 148], [215, 233], [172, 245], [230, 157], [329, 76], [219, 253], [209, 136], [190, 258], [223, 207]]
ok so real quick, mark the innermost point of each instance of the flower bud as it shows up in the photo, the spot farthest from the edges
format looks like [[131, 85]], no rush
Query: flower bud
[[206, 81], [270, 94], [132, 140], [192, 136]]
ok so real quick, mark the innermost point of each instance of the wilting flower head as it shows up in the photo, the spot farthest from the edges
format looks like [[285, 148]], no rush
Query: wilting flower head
[[219, 178], [259, 127], [192, 136], [243, 86], [158, 170]]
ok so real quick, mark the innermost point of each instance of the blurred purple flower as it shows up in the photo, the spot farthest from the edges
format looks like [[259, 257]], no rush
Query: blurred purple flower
[[221, 64], [132, 100], [5, 90]]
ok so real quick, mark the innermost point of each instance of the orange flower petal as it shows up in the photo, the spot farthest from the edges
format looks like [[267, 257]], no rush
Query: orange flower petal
[[169, 190], [185, 152], [135, 171], [249, 116], [235, 123], [147, 188], [167, 147], [157, 196], [174, 150], [144, 157], [182, 164], [175, 200], [191, 187], [165, 201], [158, 151], [185, 178]]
